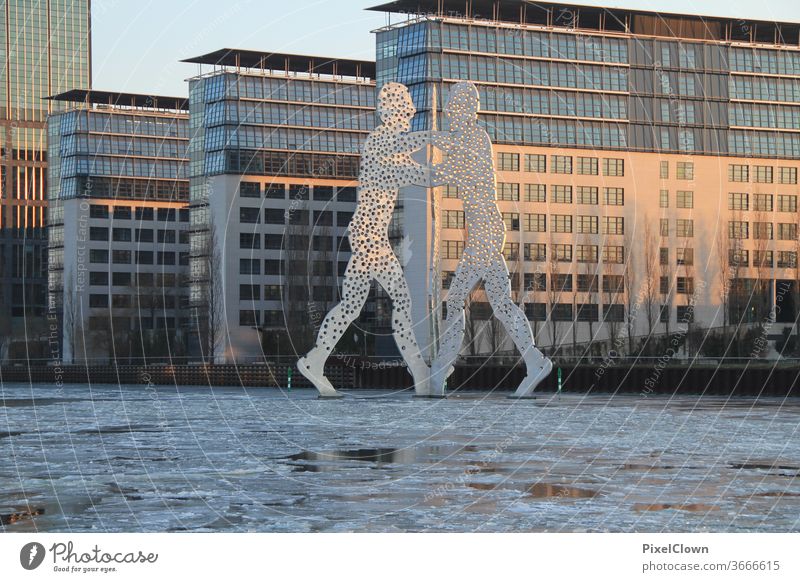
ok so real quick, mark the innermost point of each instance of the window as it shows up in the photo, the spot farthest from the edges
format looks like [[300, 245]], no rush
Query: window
[[98, 211], [143, 213], [122, 213], [98, 256], [738, 257], [763, 174], [562, 253], [98, 278], [511, 220], [273, 241], [762, 259], [738, 229], [587, 224], [787, 203], [614, 196], [588, 312], [120, 257], [614, 312], [535, 193], [272, 267], [144, 257], [664, 170], [249, 267], [613, 284], [121, 279], [507, 162], [166, 236], [663, 227], [535, 282], [562, 194], [323, 193], [274, 216], [250, 215], [250, 190], [536, 222], [272, 292], [787, 175], [508, 192], [275, 192], [787, 259], [452, 249], [121, 234], [559, 282], [738, 201], [738, 173], [762, 231], [453, 219], [97, 300], [787, 231], [166, 258], [536, 252], [685, 285], [663, 199], [249, 292], [684, 199], [613, 225], [685, 256], [665, 311], [663, 285], [511, 251], [166, 214], [535, 163], [347, 194], [587, 166], [586, 254], [685, 171], [762, 202], [685, 313], [249, 240], [322, 217], [98, 233], [613, 167], [663, 256], [562, 223], [561, 164], [561, 312], [343, 218], [587, 194], [684, 228], [248, 317], [449, 191], [613, 254]]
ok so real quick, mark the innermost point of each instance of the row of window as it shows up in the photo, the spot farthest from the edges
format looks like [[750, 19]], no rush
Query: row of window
[[761, 174], [770, 116], [273, 267], [585, 166], [123, 257], [125, 301], [279, 216], [683, 170], [551, 102], [539, 131], [304, 115], [128, 124], [738, 229], [683, 199], [560, 223], [761, 202], [762, 258], [128, 279], [510, 192], [537, 252], [252, 137], [142, 235], [139, 213], [296, 192]]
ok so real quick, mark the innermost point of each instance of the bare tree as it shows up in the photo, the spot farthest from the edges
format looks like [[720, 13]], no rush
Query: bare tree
[[554, 290], [650, 282], [210, 313], [69, 320], [629, 285]]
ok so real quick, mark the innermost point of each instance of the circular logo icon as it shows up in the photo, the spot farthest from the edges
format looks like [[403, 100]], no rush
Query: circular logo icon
[[31, 555]]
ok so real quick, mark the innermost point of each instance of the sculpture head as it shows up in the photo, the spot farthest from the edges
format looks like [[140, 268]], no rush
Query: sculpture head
[[395, 106], [462, 106]]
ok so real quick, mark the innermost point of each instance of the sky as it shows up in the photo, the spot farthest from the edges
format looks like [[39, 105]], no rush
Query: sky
[[137, 46]]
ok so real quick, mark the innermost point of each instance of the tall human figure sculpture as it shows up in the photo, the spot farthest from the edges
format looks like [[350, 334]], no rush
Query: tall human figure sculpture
[[386, 166], [469, 165]]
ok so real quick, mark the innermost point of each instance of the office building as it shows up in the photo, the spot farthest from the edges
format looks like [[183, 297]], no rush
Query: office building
[[46, 50], [646, 162], [274, 159], [118, 227]]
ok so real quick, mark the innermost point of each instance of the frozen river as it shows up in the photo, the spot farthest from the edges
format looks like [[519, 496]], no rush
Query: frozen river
[[109, 458]]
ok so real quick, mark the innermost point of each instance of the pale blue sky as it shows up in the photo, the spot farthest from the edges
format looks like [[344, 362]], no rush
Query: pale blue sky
[[137, 45]]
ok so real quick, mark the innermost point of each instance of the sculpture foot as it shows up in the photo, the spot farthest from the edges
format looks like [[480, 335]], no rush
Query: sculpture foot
[[422, 382], [533, 379], [438, 378], [320, 382]]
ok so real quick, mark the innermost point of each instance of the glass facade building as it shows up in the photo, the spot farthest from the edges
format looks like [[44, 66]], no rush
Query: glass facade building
[[118, 225], [619, 135], [274, 157], [46, 50]]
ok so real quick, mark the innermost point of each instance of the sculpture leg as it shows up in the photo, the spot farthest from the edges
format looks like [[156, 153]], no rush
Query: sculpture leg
[[395, 284], [355, 290], [452, 337], [498, 290]]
